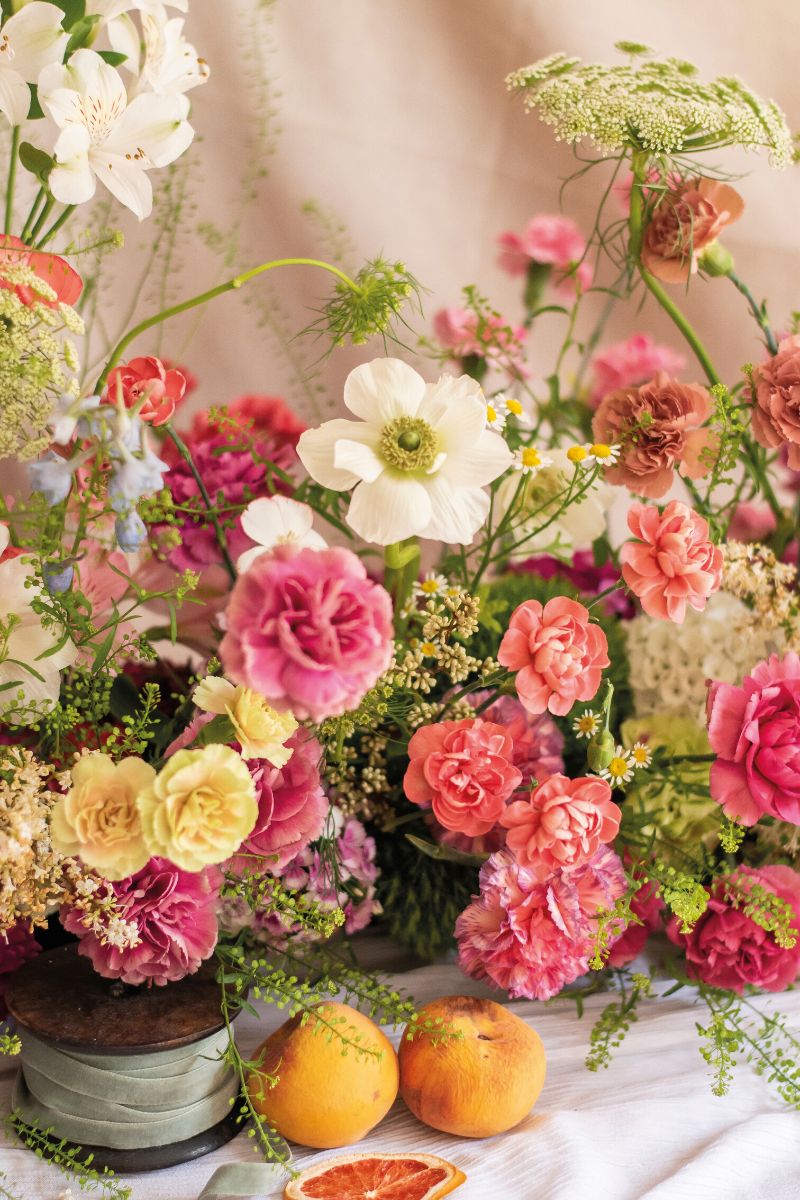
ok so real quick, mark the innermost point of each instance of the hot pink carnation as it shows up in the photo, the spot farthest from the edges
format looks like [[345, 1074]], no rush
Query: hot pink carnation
[[683, 223], [492, 338], [585, 576], [175, 914], [562, 823], [291, 808], [558, 654], [308, 630], [17, 946], [630, 363], [648, 906], [727, 949], [463, 771], [674, 563], [531, 937], [754, 730], [775, 396], [149, 381], [552, 240], [751, 522]]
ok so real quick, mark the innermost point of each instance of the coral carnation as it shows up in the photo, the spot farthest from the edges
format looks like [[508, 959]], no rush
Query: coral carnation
[[308, 630], [775, 395], [558, 654], [563, 823], [148, 385], [683, 223], [754, 730], [674, 563]]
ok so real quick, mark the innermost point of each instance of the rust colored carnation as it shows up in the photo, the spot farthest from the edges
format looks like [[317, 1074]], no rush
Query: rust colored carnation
[[683, 223], [658, 426], [775, 394]]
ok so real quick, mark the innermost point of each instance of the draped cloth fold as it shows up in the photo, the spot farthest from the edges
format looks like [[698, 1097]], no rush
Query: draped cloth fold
[[125, 1101]]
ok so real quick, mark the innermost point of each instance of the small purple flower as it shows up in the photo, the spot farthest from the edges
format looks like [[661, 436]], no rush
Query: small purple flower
[[133, 478], [52, 476], [58, 577], [131, 531]]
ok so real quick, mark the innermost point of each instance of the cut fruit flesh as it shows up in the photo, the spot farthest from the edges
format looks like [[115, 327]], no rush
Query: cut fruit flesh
[[377, 1177]]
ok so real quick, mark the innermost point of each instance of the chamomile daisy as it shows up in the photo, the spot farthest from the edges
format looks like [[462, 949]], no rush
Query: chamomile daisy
[[620, 768], [514, 409], [430, 585], [587, 724], [641, 755], [529, 460], [496, 413]]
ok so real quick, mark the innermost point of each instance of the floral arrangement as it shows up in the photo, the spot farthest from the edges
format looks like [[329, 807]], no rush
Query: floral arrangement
[[238, 716]]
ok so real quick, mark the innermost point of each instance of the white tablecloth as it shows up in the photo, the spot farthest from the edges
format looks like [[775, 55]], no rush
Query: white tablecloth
[[648, 1127]]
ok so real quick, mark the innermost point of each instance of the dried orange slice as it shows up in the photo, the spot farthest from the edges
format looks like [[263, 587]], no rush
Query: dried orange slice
[[377, 1177]]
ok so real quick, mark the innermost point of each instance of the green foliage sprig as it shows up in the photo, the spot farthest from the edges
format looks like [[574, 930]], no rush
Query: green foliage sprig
[[616, 1019], [68, 1159], [738, 1028]]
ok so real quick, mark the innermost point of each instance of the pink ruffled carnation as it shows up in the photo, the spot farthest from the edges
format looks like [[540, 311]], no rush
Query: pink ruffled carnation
[[491, 338], [775, 396], [683, 223], [266, 418], [308, 630], [174, 912], [674, 563], [562, 823], [727, 949], [17, 946], [551, 240], [464, 771], [531, 937], [751, 522], [558, 654], [630, 363], [648, 906], [754, 729], [291, 808]]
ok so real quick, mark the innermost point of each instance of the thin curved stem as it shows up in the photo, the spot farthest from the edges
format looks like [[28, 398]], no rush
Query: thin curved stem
[[37, 200], [12, 179], [203, 298], [219, 532], [757, 311]]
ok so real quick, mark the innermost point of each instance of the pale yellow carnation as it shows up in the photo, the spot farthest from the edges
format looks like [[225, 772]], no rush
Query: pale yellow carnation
[[97, 820], [260, 730], [199, 808]]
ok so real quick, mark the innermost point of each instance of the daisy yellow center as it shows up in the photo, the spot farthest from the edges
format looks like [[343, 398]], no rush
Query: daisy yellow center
[[428, 648], [577, 454], [640, 754], [429, 586], [514, 407], [408, 444], [531, 457], [601, 450], [617, 767], [491, 414], [587, 724]]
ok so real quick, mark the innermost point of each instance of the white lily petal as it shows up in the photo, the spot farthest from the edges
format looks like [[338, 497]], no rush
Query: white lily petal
[[155, 125], [15, 95], [460, 424], [126, 180], [479, 464], [36, 37], [457, 513], [317, 447], [448, 393], [361, 459], [385, 388], [71, 181], [124, 38], [389, 510]]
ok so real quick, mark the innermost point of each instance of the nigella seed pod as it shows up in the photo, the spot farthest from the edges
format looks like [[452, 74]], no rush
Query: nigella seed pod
[[600, 750], [58, 577]]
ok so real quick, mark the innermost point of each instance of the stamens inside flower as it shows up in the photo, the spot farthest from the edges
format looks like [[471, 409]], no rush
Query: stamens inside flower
[[408, 444]]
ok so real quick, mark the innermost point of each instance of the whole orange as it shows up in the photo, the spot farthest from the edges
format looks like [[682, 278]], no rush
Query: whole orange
[[324, 1098], [477, 1085]]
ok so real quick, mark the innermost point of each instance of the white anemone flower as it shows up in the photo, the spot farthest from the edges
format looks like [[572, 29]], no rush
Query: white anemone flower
[[418, 458], [104, 137], [273, 521], [29, 41]]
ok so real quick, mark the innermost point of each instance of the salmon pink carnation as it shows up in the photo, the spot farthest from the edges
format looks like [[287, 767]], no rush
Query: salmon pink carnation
[[775, 396], [683, 223], [754, 730], [751, 522], [558, 654], [550, 240], [308, 630], [174, 913], [727, 949], [52, 270], [674, 563], [147, 382], [630, 363], [657, 426], [562, 823], [464, 771], [531, 937]]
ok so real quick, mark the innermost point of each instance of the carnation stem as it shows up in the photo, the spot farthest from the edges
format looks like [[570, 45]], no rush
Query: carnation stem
[[757, 311], [203, 298], [12, 178], [219, 532]]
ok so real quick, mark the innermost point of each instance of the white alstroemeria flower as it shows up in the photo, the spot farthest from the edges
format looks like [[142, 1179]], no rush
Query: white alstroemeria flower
[[271, 521], [418, 459], [109, 10], [104, 137], [29, 41], [171, 64]]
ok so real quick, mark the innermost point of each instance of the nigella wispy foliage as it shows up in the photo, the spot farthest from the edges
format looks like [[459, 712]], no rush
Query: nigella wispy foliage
[[657, 105]]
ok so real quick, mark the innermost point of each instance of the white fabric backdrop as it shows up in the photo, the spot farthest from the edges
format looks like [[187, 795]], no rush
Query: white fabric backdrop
[[648, 1128]]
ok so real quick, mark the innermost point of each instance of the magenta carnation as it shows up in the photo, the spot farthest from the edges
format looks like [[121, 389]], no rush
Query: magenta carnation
[[585, 575], [291, 808], [727, 949], [308, 630], [532, 937], [174, 912], [754, 730], [17, 945]]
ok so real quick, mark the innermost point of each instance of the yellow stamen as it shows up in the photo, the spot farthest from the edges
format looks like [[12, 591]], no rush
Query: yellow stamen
[[601, 450], [514, 407], [531, 457]]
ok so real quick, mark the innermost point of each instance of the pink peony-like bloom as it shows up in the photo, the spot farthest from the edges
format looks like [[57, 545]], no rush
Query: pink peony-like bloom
[[493, 339], [754, 730], [751, 522], [584, 575], [551, 240], [464, 771], [674, 563], [17, 946], [727, 949], [148, 380], [631, 363], [51, 269], [174, 912], [658, 426], [683, 223], [562, 823], [775, 396], [291, 808], [648, 906], [308, 630], [558, 654], [531, 937]]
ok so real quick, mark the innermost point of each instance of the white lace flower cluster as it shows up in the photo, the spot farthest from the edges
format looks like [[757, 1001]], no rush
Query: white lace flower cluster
[[110, 113], [672, 663]]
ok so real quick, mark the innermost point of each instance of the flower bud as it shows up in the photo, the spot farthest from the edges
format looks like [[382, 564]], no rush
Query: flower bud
[[716, 260], [57, 577], [600, 750], [131, 531]]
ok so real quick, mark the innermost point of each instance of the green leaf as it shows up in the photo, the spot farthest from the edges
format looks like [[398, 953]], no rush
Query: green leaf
[[73, 10], [104, 649], [36, 161], [124, 697], [35, 112], [81, 34], [113, 57], [446, 853]]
